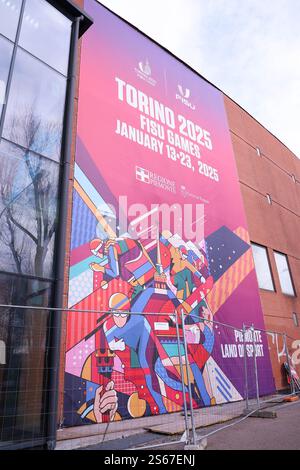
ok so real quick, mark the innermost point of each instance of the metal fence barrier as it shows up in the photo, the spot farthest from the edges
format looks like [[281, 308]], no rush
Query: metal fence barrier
[[181, 400]]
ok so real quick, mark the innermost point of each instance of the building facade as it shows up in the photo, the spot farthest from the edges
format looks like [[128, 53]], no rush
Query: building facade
[[38, 127], [269, 180]]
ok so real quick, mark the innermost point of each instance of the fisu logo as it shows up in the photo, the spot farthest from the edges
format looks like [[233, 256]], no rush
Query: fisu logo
[[183, 96], [185, 92]]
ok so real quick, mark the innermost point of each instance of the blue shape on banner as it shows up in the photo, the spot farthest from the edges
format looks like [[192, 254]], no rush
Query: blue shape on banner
[[223, 248]]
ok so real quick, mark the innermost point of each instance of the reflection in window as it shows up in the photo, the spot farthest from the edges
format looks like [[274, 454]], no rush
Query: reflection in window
[[9, 17], [25, 333], [284, 274], [35, 109], [262, 267], [46, 34], [6, 49], [28, 208]]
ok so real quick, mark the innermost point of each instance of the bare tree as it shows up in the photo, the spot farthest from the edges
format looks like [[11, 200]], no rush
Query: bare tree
[[29, 206]]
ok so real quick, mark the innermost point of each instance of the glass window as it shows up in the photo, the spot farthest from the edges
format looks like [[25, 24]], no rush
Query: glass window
[[28, 211], [284, 274], [35, 109], [24, 333], [262, 267], [6, 49], [46, 33], [9, 17]]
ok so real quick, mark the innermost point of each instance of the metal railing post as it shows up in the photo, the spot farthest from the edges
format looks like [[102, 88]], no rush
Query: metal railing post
[[188, 378], [56, 317], [245, 368], [187, 427], [255, 366]]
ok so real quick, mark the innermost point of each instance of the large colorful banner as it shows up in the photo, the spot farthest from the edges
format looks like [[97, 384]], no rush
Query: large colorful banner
[[158, 230]]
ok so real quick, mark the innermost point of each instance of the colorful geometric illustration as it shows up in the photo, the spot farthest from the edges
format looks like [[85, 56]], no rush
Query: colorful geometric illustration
[[160, 253], [137, 352]]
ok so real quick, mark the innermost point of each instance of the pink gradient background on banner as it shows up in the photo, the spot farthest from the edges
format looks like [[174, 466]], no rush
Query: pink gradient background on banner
[[113, 51]]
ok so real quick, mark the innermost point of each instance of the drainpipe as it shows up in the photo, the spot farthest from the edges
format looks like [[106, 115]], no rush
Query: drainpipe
[[56, 320]]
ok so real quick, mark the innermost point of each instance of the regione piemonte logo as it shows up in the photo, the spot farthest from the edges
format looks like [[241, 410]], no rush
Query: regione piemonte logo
[[144, 72], [142, 175], [184, 95], [150, 177]]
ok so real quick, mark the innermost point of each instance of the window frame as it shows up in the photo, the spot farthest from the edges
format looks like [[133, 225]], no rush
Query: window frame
[[10, 37], [27, 41], [269, 265], [290, 273], [3, 98], [14, 157], [13, 101]]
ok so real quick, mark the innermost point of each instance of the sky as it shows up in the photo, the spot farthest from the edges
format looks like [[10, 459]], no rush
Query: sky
[[250, 49]]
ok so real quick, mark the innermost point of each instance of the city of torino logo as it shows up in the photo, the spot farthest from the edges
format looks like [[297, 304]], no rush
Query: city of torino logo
[[145, 68], [144, 72]]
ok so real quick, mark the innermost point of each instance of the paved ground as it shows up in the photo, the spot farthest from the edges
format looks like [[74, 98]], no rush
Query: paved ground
[[281, 433]]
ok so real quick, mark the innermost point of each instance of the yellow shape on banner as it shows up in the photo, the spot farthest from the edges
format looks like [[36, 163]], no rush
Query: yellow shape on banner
[[87, 369], [136, 406]]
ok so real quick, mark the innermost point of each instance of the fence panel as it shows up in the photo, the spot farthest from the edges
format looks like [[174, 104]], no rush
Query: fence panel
[[174, 373], [24, 373]]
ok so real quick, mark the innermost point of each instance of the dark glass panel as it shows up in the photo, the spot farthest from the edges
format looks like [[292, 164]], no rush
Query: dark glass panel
[[24, 335], [9, 17], [28, 211], [35, 109], [46, 33]]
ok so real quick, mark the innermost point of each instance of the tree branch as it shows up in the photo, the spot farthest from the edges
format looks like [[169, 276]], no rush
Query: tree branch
[[23, 228]]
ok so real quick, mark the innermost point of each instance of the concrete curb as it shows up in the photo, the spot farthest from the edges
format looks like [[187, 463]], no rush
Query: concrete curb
[[202, 445]]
